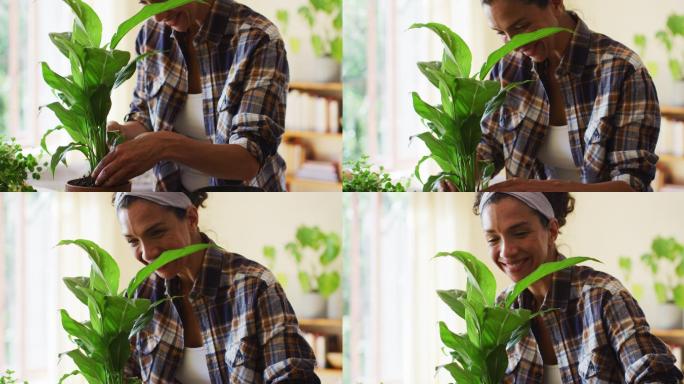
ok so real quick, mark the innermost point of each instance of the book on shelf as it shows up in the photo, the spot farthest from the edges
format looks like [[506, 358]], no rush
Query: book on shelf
[[671, 138], [306, 112], [294, 155], [318, 344], [318, 170]]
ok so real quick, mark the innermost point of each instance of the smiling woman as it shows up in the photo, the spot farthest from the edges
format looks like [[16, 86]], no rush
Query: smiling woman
[[209, 103], [227, 311]]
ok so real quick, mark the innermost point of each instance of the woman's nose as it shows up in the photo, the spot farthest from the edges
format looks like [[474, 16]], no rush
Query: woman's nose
[[150, 253], [507, 250], [160, 16]]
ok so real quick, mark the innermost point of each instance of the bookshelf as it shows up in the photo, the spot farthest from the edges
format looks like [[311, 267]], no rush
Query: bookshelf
[[331, 329], [316, 147]]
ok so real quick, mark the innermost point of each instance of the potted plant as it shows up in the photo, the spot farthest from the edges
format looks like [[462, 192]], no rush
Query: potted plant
[[102, 341], [668, 37], [479, 355], [16, 167], [361, 178], [8, 378], [665, 260], [324, 19], [85, 95], [454, 126], [314, 252]]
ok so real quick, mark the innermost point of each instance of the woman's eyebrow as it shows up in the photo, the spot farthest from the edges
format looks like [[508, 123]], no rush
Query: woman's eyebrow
[[520, 20]]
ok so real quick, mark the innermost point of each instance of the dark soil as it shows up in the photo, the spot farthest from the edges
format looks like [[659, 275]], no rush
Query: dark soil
[[85, 181]]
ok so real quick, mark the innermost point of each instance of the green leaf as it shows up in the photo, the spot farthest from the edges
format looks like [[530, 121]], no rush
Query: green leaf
[[461, 375], [90, 339], [541, 272], [318, 45], [102, 67], [328, 282], [71, 121], [479, 276], [270, 253], [163, 259], [454, 299], [126, 72], [293, 248], [306, 13], [661, 292], [459, 57], [145, 13], [105, 276], [442, 120], [304, 281], [60, 153], [73, 283], [91, 369], [625, 264], [331, 250], [309, 237], [678, 293], [675, 24], [87, 27], [516, 42], [431, 70]]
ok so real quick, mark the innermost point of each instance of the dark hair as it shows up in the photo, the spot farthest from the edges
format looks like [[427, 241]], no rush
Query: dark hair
[[197, 199], [561, 202], [538, 3]]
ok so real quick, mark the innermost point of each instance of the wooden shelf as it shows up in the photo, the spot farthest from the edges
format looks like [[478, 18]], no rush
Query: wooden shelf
[[307, 185], [672, 113], [292, 134], [670, 336], [325, 326], [316, 87]]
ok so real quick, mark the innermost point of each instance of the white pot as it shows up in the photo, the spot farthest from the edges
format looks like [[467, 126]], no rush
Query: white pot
[[678, 93], [314, 69], [309, 305], [335, 305], [664, 316]]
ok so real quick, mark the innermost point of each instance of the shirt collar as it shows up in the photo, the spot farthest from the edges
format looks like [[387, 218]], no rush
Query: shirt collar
[[209, 276]]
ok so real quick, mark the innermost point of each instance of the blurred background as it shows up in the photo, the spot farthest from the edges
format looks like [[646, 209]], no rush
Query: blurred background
[[391, 326], [312, 144], [379, 72], [257, 226]]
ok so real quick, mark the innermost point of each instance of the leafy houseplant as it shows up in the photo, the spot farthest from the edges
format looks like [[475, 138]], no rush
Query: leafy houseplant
[[85, 95], [314, 251], [15, 167], [327, 43], [479, 356], [103, 341], [454, 126], [666, 263], [361, 178], [8, 378], [668, 37]]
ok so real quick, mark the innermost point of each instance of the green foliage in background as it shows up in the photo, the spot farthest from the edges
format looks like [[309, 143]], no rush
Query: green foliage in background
[[15, 167], [314, 252], [454, 126], [8, 378], [326, 39], [362, 178], [270, 254], [669, 37], [85, 94], [479, 356], [666, 263], [102, 342]]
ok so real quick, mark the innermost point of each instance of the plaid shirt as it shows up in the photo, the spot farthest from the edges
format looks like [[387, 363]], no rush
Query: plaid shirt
[[599, 334], [244, 76], [249, 329], [611, 107]]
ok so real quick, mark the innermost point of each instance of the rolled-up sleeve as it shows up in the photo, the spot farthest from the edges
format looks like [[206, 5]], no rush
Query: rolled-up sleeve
[[255, 96], [138, 109], [644, 357], [287, 357], [631, 157]]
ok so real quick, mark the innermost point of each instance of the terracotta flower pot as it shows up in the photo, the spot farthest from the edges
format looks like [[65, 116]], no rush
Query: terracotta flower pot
[[82, 185]]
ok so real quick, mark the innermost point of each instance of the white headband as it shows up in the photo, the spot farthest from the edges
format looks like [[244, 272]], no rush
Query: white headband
[[167, 199], [534, 200]]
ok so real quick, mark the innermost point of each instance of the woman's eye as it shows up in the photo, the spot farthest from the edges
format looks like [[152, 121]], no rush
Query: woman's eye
[[521, 234], [492, 240], [132, 242]]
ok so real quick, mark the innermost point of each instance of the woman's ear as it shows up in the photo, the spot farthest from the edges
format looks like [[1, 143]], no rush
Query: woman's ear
[[554, 230], [193, 217]]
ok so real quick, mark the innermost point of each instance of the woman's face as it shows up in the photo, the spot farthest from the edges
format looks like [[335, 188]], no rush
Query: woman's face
[[518, 242], [511, 17], [180, 19], [151, 229]]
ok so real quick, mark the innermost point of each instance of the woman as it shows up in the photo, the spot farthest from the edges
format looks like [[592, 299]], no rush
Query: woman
[[209, 103], [598, 333], [229, 322], [588, 120]]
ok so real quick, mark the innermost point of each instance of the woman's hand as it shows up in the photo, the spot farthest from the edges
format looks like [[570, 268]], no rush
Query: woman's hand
[[129, 130], [129, 159]]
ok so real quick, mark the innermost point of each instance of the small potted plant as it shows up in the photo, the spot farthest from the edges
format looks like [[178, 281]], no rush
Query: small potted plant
[[324, 19], [8, 378], [454, 126], [102, 342], [479, 355], [314, 252], [16, 167], [671, 38], [360, 177], [665, 260], [85, 95]]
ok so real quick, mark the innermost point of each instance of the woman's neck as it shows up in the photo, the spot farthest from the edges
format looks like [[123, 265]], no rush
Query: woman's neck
[[561, 41], [541, 288]]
